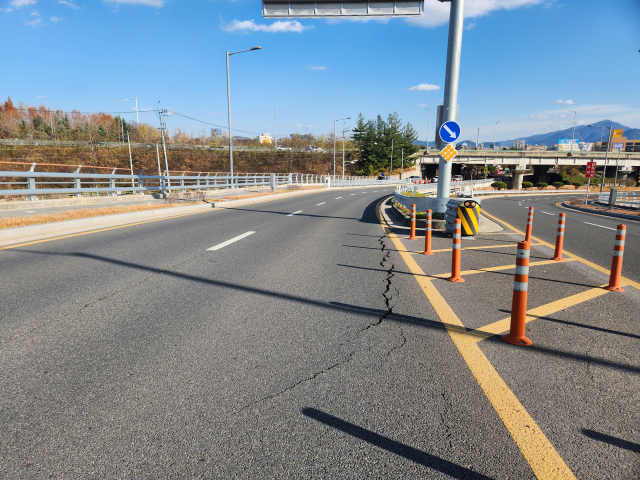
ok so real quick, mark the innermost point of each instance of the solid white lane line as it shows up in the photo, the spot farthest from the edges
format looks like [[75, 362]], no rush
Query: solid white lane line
[[229, 242], [292, 214], [608, 228], [30, 211], [352, 194], [337, 198], [318, 204], [547, 213]]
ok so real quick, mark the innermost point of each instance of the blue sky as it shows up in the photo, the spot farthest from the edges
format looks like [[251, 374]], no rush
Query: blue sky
[[525, 63]]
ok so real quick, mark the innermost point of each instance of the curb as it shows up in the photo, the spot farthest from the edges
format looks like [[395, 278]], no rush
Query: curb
[[601, 213]]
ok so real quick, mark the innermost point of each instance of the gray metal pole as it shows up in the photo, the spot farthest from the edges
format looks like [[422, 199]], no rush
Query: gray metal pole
[[229, 109], [495, 130], [391, 166], [428, 128], [450, 104], [343, 174], [401, 163], [137, 118], [276, 125], [130, 159], [615, 181], [477, 138], [334, 147], [606, 159], [586, 198]]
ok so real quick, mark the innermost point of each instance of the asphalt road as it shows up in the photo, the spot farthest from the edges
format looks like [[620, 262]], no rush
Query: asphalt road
[[588, 235], [301, 350]]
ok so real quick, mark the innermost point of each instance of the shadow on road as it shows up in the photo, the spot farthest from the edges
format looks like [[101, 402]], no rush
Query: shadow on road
[[616, 442], [397, 448]]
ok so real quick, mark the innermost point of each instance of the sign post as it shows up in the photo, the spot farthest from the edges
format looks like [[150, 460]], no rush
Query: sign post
[[591, 173]]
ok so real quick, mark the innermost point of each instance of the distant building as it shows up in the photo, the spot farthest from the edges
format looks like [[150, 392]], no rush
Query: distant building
[[568, 145], [586, 146], [619, 143], [265, 138], [519, 144]]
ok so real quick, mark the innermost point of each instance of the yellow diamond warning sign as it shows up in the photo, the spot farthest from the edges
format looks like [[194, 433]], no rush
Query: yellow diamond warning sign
[[448, 152]]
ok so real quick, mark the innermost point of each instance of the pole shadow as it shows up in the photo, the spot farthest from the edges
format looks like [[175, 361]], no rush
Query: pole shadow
[[616, 442], [412, 454]]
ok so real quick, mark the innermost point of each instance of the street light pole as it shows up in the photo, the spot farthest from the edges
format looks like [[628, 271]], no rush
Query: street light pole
[[229, 111], [121, 122], [573, 135], [343, 149], [477, 138], [137, 118], [494, 134], [428, 128], [334, 141], [450, 98], [276, 126], [606, 157]]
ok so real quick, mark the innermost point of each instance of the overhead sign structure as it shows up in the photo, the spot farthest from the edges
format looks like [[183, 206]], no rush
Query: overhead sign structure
[[450, 132], [346, 8], [448, 153], [591, 170]]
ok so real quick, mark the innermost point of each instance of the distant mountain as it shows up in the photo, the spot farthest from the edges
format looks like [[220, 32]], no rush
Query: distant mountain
[[583, 134]]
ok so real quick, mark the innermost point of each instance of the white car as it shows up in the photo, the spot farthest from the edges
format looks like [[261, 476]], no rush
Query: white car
[[313, 149], [457, 178], [434, 180]]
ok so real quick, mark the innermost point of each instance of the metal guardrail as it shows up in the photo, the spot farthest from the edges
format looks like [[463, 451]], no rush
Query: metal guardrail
[[430, 187], [624, 199], [31, 183]]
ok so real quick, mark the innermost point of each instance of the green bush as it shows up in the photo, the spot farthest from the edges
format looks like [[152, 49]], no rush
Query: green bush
[[499, 185], [566, 182], [577, 184], [541, 185], [526, 185], [558, 185]]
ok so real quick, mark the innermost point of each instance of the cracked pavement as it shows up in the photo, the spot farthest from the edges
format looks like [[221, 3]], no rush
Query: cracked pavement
[[302, 351]]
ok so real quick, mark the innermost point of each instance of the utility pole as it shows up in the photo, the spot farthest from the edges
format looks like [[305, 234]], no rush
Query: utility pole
[[450, 103], [343, 149], [121, 121], [164, 146], [401, 163], [391, 166], [276, 126], [477, 138], [130, 161], [137, 119]]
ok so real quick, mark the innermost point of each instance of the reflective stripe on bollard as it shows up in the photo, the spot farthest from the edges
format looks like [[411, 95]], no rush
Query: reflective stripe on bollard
[[616, 262], [519, 303], [559, 238], [527, 236], [413, 222], [455, 252], [427, 235]]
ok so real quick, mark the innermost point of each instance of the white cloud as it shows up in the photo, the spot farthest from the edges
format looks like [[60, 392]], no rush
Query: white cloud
[[68, 4], [6, 10], [40, 96], [22, 3], [423, 87], [437, 13], [149, 3], [313, 67], [34, 23], [276, 27], [55, 19], [565, 102], [35, 14], [423, 105]]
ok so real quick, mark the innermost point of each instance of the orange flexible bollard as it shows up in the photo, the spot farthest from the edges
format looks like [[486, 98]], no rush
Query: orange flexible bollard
[[559, 238], [427, 235], [455, 252], [519, 302], [616, 262], [413, 222], [527, 236]]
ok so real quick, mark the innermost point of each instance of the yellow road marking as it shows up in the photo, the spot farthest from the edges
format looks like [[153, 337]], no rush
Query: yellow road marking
[[502, 267], [542, 311], [101, 230], [571, 255], [542, 457], [515, 244]]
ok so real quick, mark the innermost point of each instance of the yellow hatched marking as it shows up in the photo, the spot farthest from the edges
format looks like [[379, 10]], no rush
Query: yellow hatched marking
[[542, 457], [478, 248], [541, 311], [624, 280], [502, 267]]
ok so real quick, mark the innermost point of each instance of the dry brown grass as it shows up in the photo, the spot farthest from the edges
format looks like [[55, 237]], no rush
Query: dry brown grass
[[85, 213]]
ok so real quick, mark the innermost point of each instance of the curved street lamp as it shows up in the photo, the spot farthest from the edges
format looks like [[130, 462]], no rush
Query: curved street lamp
[[334, 142], [229, 109], [606, 157]]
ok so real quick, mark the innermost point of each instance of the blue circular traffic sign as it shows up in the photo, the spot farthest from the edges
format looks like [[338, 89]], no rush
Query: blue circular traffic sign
[[450, 132]]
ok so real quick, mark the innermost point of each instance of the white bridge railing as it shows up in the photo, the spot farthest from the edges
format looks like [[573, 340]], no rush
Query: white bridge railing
[[32, 183]]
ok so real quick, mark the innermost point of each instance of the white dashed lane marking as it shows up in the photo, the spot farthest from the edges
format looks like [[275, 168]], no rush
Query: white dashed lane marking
[[318, 204], [595, 225], [229, 242], [337, 198], [292, 214]]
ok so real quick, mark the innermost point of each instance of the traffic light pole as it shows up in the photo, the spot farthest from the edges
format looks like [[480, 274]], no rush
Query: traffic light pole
[[450, 104]]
